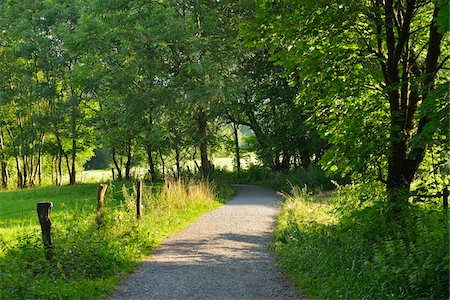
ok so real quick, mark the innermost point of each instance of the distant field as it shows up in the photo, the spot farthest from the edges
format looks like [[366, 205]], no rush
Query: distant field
[[18, 207], [95, 176], [227, 162]]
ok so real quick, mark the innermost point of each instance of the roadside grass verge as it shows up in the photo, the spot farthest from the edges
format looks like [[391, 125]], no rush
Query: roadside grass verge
[[348, 245], [90, 257]]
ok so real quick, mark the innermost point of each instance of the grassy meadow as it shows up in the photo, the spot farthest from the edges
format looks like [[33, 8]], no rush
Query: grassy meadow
[[89, 256]]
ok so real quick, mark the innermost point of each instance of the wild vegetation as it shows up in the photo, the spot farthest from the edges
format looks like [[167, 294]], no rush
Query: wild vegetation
[[348, 244], [88, 255], [323, 93]]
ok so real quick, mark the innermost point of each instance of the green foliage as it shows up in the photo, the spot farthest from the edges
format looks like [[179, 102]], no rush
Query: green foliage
[[313, 177], [433, 176], [90, 258], [371, 84], [444, 16], [349, 245]]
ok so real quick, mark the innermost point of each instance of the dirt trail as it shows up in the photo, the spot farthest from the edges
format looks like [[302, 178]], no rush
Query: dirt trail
[[221, 256]]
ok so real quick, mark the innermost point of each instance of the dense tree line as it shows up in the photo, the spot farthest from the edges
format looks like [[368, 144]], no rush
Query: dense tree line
[[358, 86], [148, 80]]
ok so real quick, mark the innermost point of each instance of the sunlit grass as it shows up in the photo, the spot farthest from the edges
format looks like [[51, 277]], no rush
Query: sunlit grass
[[90, 254], [347, 245]]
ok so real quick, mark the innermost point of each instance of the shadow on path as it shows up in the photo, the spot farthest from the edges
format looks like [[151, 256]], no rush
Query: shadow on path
[[223, 255]]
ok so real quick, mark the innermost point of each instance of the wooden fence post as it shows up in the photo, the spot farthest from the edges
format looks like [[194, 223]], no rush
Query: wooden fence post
[[100, 200], [44, 210], [138, 199]]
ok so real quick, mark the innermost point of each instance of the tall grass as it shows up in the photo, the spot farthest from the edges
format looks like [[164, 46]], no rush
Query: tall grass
[[89, 257], [348, 245]]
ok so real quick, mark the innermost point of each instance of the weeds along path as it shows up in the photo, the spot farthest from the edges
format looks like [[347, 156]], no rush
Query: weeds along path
[[223, 255]]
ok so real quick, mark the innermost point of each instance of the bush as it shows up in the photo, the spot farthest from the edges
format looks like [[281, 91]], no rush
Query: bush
[[313, 177], [348, 245]]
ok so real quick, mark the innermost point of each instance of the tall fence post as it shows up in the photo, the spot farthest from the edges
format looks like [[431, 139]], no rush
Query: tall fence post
[[139, 199], [100, 200], [44, 210]]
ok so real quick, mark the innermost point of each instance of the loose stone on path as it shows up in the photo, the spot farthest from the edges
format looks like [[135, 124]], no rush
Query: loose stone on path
[[223, 255]]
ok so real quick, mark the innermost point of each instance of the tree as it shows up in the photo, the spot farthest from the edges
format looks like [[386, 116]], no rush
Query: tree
[[387, 53], [266, 104]]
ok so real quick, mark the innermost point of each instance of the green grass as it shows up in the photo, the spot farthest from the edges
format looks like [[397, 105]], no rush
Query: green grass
[[349, 245], [89, 257], [18, 207]]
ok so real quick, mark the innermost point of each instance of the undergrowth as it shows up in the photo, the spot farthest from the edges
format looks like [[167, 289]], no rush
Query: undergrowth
[[89, 256], [349, 245], [313, 177]]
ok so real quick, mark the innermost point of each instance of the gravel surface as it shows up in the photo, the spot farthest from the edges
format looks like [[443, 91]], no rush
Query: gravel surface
[[223, 255]]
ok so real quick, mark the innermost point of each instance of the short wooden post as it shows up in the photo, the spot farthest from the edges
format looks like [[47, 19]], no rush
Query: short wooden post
[[101, 199], [44, 210], [139, 199]]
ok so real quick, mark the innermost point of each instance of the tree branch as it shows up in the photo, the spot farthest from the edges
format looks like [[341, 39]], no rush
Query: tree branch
[[234, 120], [404, 31]]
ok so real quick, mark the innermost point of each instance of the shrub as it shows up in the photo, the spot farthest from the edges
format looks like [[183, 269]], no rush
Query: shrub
[[313, 177], [347, 245]]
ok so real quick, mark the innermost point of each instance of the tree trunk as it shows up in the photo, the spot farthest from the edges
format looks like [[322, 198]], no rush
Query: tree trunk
[[177, 161], [118, 168], [59, 159], [73, 173], [4, 163], [53, 170], [128, 164], [236, 147], [151, 165], [162, 163], [24, 171], [404, 158], [59, 170], [40, 168], [268, 156], [74, 116], [276, 163], [205, 167], [305, 160], [31, 169], [400, 174], [19, 173], [68, 166], [445, 194], [5, 175], [285, 162]]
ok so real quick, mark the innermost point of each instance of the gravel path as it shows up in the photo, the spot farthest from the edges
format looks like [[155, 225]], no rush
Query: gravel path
[[221, 256]]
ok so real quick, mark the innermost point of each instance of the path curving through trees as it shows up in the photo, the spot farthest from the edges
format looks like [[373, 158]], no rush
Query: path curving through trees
[[223, 255]]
